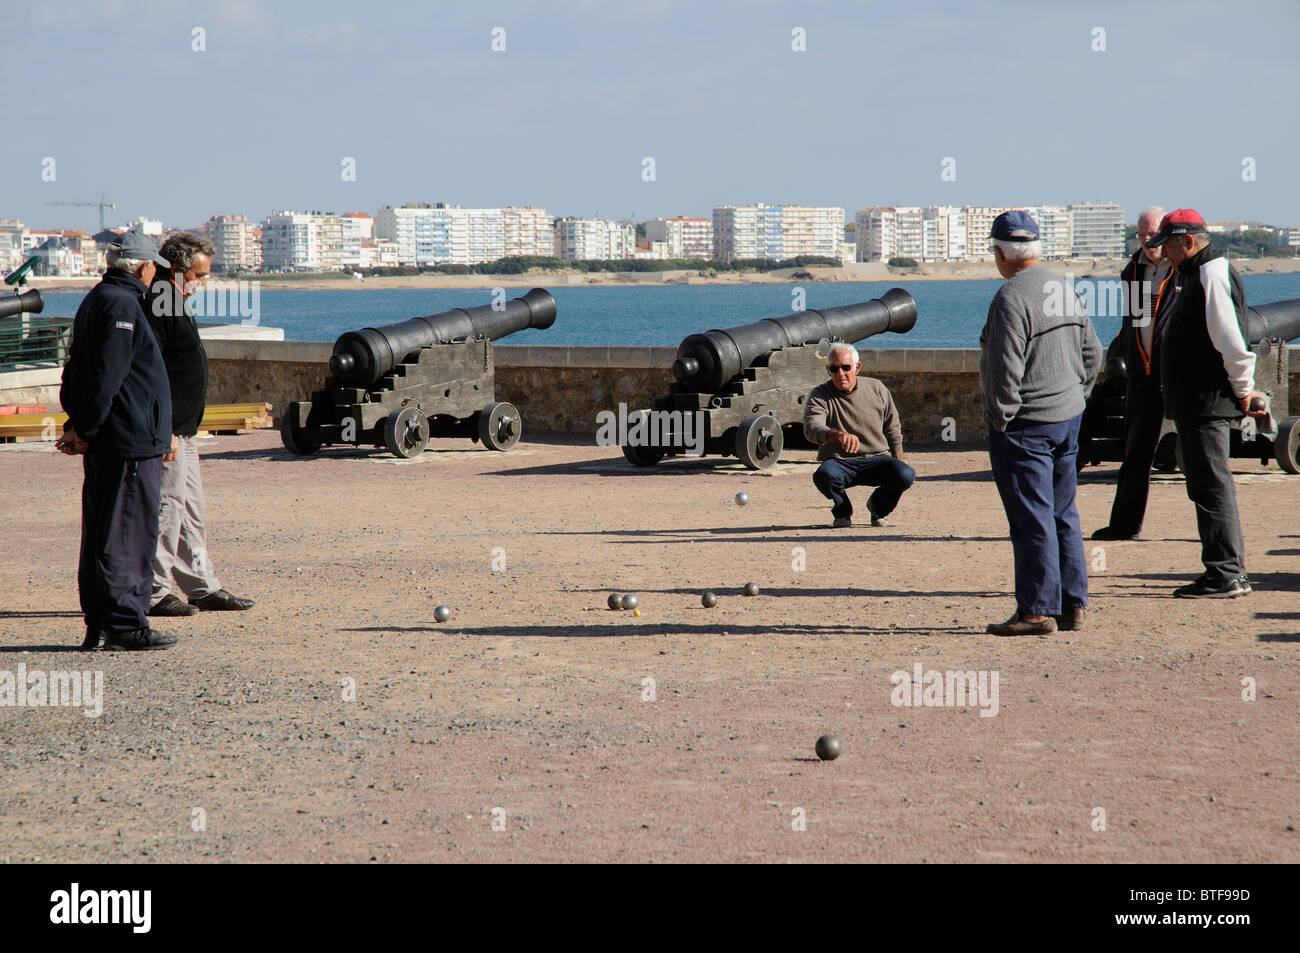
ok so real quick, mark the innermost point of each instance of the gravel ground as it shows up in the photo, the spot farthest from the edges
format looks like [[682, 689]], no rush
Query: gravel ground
[[338, 721]]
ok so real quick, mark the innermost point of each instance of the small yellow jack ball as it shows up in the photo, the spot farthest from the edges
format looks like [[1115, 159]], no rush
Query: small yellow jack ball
[[636, 612]]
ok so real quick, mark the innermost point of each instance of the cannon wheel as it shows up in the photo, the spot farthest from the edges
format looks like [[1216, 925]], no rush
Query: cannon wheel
[[499, 426], [294, 440], [406, 432], [759, 441], [641, 456], [1286, 446], [1166, 458]]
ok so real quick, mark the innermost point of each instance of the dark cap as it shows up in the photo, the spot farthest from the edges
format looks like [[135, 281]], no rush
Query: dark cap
[[1015, 226], [1183, 221], [136, 244]]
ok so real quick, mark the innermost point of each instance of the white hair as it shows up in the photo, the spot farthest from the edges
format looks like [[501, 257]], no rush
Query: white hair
[[1019, 251], [1154, 211], [118, 262], [839, 347]]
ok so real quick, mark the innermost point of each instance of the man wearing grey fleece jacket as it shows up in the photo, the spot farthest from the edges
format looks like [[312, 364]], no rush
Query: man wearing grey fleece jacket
[[1039, 357]]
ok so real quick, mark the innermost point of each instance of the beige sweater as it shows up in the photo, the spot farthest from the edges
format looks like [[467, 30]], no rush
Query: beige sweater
[[867, 412]]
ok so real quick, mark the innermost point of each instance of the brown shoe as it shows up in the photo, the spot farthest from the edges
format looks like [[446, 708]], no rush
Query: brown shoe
[[1072, 619], [1018, 626], [170, 605], [222, 601]]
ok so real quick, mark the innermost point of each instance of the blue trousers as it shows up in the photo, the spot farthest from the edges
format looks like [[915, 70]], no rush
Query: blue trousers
[[1034, 469], [119, 534], [890, 476]]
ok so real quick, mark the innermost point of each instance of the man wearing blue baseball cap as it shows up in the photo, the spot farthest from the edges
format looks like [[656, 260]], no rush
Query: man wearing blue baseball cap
[[1037, 367], [118, 400]]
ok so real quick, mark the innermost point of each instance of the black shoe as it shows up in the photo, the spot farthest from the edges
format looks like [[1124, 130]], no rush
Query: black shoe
[[137, 640], [1204, 589], [91, 642], [220, 601], [877, 519], [1110, 532], [170, 605]]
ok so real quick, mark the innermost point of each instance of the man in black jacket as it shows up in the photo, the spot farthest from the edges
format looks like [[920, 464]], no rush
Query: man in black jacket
[[1208, 379], [182, 539], [116, 395], [1147, 296]]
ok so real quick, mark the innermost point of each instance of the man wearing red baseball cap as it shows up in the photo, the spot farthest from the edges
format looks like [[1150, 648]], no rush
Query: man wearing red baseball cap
[[1208, 380]]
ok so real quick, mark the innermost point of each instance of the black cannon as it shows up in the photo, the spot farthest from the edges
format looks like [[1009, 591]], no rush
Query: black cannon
[[739, 390], [21, 302], [398, 385], [1268, 329]]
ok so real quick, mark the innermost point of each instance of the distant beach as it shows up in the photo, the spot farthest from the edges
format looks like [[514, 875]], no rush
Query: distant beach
[[937, 271]]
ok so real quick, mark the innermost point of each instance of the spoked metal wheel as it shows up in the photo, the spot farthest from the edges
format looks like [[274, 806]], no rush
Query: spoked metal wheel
[[406, 432], [759, 441], [500, 426]]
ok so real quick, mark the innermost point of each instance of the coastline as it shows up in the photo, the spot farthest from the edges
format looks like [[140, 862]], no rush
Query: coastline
[[937, 271]]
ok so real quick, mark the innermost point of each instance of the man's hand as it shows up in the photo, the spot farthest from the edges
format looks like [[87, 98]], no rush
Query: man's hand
[[847, 441], [169, 457], [1263, 405], [70, 444]]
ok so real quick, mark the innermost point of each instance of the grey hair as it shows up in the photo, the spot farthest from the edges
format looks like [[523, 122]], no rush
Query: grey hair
[[1153, 210], [117, 262], [181, 248], [1019, 251], [839, 347]]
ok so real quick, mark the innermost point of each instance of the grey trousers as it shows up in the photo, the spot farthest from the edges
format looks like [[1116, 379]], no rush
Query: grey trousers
[[182, 550], [1203, 446]]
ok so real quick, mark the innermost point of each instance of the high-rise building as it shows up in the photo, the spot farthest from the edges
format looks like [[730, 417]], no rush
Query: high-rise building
[[1098, 230], [527, 232], [683, 237], [594, 239], [236, 243], [776, 232], [1055, 230], [291, 242]]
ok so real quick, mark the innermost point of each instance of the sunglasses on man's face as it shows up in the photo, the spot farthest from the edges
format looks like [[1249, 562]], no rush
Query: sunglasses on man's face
[[833, 368]]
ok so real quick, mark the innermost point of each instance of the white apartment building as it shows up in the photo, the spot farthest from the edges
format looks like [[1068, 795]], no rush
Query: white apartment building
[[527, 233], [682, 237], [11, 244], [593, 239], [291, 241], [1055, 230], [1098, 230], [236, 243], [439, 234], [776, 232]]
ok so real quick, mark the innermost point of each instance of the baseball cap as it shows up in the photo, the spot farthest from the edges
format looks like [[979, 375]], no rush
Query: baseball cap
[[1015, 226], [1182, 221], [136, 244]]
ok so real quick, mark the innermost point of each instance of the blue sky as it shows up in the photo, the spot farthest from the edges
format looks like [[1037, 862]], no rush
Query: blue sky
[[584, 91]]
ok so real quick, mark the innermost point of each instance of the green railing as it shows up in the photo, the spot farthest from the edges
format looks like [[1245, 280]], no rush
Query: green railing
[[30, 340]]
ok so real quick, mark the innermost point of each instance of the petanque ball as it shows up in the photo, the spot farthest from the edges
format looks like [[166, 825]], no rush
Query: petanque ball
[[828, 747], [442, 613], [630, 601], [709, 600], [751, 588], [615, 601], [742, 499]]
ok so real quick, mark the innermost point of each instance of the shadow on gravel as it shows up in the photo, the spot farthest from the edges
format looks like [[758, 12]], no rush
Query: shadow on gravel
[[38, 614], [1280, 637], [11, 649], [1284, 552], [733, 590], [638, 627], [877, 535]]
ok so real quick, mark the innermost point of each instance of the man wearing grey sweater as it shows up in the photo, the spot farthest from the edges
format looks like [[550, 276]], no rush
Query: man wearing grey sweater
[[1039, 357]]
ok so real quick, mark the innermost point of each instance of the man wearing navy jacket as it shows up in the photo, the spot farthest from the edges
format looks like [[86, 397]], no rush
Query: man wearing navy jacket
[[116, 394]]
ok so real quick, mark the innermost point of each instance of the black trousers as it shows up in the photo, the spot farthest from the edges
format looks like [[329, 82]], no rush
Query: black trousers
[[1144, 415], [119, 534], [1203, 446]]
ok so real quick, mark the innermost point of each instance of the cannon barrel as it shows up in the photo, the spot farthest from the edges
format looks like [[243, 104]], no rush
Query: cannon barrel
[[707, 361], [29, 302], [363, 357], [1279, 321]]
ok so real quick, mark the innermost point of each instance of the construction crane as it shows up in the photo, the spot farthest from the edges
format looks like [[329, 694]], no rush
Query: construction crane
[[101, 203]]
